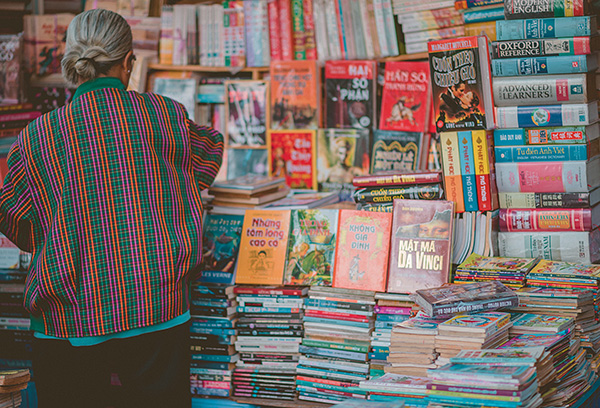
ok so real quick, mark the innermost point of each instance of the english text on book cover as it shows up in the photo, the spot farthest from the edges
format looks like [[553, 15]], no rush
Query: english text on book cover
[[294, 95], [362, 250], [342, 155], [247, 113], [263, 247], [406, 101], [311, 247], [292, 154], [220, 245], [458, 100], [421, 245]]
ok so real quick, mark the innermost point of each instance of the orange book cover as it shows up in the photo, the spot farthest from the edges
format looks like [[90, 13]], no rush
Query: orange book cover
[[263, 247], [295, 97], [293, 155], [363, 245]]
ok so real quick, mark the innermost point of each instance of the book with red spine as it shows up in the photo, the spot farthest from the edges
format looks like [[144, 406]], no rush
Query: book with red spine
[[541, 219], [310, 41], [398, 178], [285, 28], [270, 290], [274, 30]]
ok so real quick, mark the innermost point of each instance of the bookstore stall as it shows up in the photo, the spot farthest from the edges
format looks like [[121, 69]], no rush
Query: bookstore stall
[[407, 214]]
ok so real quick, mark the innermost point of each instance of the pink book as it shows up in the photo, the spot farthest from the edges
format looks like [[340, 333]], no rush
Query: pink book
[[274, 30], [285, 19]]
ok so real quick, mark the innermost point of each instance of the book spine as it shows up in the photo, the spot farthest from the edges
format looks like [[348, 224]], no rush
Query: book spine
[[532, 177], [333, 31], [483, 170], [381, 32], [349, 29], [337, 316], [518, 9], [467, 167], [298, 30], [539, 90], [486, 28], [447, 12], [545, 28], [544, 200], [565, 64], [547, 115], [274, 31], [338, 305], [429, 24], [512, 219], [166, 35], [405, 311], [318, 351], [366, 28], [540, 47], [390, 27], [424, 7], [264, 34], [20, 117], [310, 42], [452, 172], [319, 13], [382, 180], [483, 15], [389, 194], [467, 4], [250, 29], [245, 290], [286, 27], [506, 154], [460, 307]]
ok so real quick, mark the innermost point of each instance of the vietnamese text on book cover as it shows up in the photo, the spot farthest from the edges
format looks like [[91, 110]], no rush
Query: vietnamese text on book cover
[[405, 102], [311, 247], [295, 95], [421, 245], [350, 94], [363, 245], [263, 247], [220, 246], [342, 154], [292, 154], [398, 151], [247, 113]]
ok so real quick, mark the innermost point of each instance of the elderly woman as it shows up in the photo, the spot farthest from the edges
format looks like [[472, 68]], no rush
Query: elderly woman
[[105, 193]]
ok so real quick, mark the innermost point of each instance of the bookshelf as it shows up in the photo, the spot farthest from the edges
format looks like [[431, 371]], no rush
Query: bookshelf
[[256, 72]]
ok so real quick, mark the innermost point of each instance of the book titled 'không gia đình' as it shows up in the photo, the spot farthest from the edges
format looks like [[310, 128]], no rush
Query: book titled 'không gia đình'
[[350, 94], [461, 78], [220, 246], [516, 9], [247, 113], [421, 245]]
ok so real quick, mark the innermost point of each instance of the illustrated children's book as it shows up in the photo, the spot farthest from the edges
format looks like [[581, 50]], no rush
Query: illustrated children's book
[[481, 323], [220, 245], [541, 324], [263, 247], [311, 247], [246, 111], [293, 155], [362, 250]]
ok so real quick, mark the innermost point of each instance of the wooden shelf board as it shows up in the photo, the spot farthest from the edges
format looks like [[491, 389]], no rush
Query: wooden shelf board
[[265, 402], [198, 68], [408, 57]]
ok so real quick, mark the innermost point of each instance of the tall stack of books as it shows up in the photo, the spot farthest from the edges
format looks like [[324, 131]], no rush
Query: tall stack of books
[[512, 272], [480, 16], [337, 332], [269, 334], [547, 138], [212, 338], [395, 387]]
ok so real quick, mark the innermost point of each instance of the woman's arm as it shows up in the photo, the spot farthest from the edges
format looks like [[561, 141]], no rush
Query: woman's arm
[[207, 153]]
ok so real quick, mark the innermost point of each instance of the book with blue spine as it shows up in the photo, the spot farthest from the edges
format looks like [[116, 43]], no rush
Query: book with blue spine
[[534, 28], [546, 135], [546, 115], [467, 167], [483, 15], [560, 64], [508, 154]]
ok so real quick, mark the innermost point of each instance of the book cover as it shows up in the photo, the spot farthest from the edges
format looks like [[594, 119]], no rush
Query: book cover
[[533, 340], [544, 46], [546, 28], [221, 235], [515, 9], [292, 154], [10, 68], [247, 113], [561, 64], [461, 84], [485, 263], [566, 269], [247, 161], [509, 356], [396, 151], [452, 170], [405, 101], [350, 94], [263, 247], [383, 195], [397, 178], [485, 173], [421, 245], [487, 322], [541, 323], [274, 30], [363, 244], [311, 247], [295, 95], [467, 170], [343, 154], [546, 135]]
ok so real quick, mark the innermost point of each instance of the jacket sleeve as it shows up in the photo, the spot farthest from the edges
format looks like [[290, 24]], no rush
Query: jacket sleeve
[[17, 215], [207, 153]]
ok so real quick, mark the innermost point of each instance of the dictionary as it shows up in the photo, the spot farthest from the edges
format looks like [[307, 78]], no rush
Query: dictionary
[[549, 200], [546, 135], [507, 154], [545, 46], [545, 28], [561, 64], [544, 219], [517, 9], [546, 115]]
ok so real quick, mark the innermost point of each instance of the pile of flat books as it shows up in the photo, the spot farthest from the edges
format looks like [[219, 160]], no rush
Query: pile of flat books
[[11, 384], [212, 338], [472, 332], [237, 195], [565, 275], [512, 272], [393, 387], [269, 334], [337, 334], [529, 323]]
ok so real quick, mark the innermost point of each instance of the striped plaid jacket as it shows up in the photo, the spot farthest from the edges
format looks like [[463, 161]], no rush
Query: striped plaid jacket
[[105, 193]]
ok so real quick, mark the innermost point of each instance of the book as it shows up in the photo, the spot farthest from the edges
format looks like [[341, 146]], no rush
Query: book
[[241, 162], [560, 64], [546, 115], [475, 262], [221, 235], [263, 247], [247, 113], [383, 195], [483, 14], [404, 102], [571, 152], [350, 94], [343, 154], [468, 170], [397, 151], [292, 155], [532, 28], [546, 135], [363, 244], [398, 178], [485, 323], [544, 46], [295, 101], [452, 170], [234, 37], [249, 184], [421, 245], [184, 91], [542, 90], [515, 9], [549, 200], [311, 247], [11, 86], [461, 78], [13, 377], [539, 323]]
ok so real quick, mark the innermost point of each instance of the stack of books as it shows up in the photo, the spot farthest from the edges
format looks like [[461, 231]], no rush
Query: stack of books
[[480, 16], [212, 338], [269, 334], [394, 387], [337, 332], [529, 323], [11, 384], [472, 332], [565, 275], [512, 272], [547, 111], [377, 192], [412, 346]]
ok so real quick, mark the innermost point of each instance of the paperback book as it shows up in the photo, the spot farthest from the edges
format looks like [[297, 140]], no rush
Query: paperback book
[[247, 113], [221, 237], [397, 151], [292, 155]]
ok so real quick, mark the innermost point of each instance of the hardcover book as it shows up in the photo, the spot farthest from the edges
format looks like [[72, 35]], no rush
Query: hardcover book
[[544, 47], [311, 247], [561, 64], [461, 78], [221, 237], [343, 154], [546, 28], [381, 195], [398, 178], [405, 101], [547, 115], [452, 169], [574, 152], [363, 244], [515, 9], [292, 155], [295, 100], [549, 200], [398, 151], [247, 113], [350, 94], [421, 245], [263, 247], [546, 135]]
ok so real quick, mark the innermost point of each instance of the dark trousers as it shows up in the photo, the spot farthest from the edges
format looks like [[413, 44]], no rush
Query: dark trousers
[[154, 371]]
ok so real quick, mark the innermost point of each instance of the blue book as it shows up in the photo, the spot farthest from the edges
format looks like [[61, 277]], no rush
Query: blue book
[[219, 403], [467, 170], [339, 305], [328, 373], [323, 396], [378, 356], [213, 392], [560, 64], [216, 358], [214, 322], [546, 115], [392, 318], [515, 154], [252, 309], [483, 15], [212, 330], [534, 28], [546, 135]]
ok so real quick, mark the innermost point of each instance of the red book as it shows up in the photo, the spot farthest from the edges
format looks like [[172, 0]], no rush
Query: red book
[[541, 219], [285, 22], [421, 248], [406, 101], [270, 290], [363, 245], [398, 178], [485, 176], [274, 30], [13, 117], [310, 44]]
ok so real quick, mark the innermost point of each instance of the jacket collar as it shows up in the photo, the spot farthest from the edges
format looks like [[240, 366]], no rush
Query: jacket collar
[[98, 83]]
